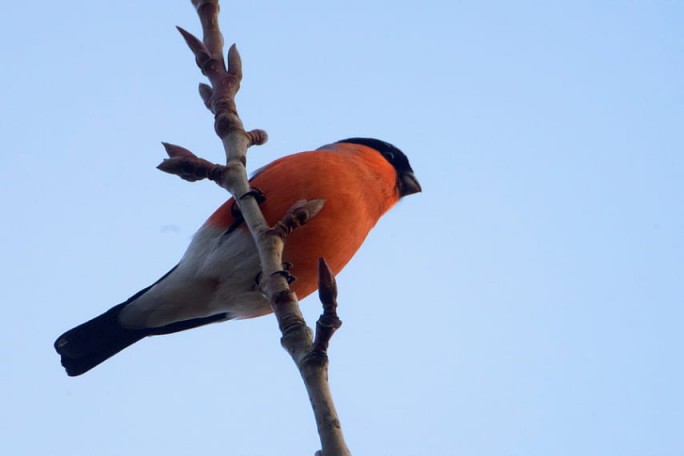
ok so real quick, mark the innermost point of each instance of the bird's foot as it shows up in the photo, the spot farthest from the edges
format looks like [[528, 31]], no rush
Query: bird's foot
[[255, 192], [258, 195], [285, 272]]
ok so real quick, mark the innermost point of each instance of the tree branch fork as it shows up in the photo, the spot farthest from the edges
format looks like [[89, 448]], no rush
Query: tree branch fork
[[308, 351]]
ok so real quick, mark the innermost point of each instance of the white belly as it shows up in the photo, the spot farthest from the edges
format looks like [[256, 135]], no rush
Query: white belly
[[216, 275]]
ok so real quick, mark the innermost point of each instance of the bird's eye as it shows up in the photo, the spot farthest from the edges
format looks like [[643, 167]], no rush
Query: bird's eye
[[389, 155]]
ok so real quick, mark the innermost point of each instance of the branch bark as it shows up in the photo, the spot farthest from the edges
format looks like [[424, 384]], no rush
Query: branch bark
[[309, 354]]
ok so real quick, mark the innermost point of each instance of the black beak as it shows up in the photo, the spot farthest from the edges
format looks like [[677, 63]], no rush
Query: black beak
[[408, 184]]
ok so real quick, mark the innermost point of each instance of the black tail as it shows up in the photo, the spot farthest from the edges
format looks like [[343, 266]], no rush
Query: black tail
[[95, 341]]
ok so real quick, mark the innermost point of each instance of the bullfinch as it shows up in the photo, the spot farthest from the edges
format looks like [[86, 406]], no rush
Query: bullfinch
[[358, 178]]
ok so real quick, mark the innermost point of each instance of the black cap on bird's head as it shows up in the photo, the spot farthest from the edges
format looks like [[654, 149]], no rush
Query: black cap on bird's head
[[406, 180]]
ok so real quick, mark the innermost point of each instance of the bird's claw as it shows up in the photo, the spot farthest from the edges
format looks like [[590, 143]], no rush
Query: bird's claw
[[258, 195], [285, 272]]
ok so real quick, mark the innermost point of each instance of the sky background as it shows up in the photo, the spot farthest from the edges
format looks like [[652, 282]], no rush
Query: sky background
[[529, 302]]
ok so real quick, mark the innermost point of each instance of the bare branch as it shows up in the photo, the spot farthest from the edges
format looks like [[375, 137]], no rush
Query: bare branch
[[188, 166], [219, 97], [208, 11], [311, 357], [328, 322], [299, 214]]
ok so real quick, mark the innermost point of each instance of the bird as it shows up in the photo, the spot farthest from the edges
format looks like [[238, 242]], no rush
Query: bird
[[359, 180]]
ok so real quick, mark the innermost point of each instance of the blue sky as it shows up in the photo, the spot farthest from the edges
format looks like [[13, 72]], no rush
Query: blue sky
[[528, 302]]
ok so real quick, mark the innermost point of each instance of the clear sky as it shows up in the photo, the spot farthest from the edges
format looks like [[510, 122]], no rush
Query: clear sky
[[529, 302]]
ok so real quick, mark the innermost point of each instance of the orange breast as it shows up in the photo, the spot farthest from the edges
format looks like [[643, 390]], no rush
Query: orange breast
[[358, 186]]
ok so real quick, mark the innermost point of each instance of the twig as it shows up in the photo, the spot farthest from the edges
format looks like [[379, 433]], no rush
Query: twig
[[219, 97], [311, 357]]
